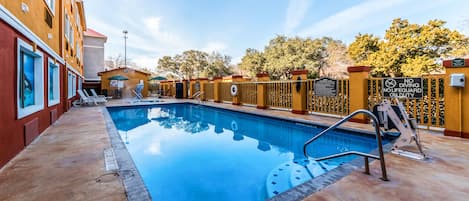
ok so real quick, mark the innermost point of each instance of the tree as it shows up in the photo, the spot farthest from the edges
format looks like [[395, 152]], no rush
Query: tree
[[218, 65], [118, 61], [253, 62], [195, 63], [283, 55], [408, 49]]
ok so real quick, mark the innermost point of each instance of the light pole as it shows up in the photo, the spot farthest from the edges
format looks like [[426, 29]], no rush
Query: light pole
[[125, 47]]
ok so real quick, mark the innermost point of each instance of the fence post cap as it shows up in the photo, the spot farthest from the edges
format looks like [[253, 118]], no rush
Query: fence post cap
[[262, 75], [200, 79], [299, 72], [355, 69], [217, 78], [449, 63]]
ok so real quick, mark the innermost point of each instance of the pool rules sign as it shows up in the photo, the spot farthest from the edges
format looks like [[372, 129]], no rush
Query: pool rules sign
[[403, 87]]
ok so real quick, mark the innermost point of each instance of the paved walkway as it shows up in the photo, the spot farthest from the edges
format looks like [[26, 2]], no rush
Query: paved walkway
[[64, 163]]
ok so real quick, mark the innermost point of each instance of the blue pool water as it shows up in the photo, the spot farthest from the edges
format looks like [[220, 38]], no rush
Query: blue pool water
[[191, 152]]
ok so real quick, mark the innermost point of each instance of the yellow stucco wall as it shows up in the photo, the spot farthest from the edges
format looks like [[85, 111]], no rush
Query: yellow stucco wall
[[134, 78], [34, 19], [74, 10]]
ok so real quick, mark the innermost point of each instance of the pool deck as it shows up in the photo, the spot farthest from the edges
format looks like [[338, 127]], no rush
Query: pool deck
[[66, 160]]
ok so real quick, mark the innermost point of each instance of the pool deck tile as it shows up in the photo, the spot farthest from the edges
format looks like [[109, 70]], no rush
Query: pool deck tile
[[65, 161]]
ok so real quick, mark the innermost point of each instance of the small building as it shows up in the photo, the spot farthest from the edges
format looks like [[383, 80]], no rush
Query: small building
[[134, 76], [93, 58]]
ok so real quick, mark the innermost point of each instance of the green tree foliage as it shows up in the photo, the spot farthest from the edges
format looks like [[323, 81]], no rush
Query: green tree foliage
[[408, 49], [283, 55], [253, 62], [195, 63]]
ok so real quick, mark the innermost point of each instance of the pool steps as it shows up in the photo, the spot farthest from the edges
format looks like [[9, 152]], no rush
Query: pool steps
[[294, 173]]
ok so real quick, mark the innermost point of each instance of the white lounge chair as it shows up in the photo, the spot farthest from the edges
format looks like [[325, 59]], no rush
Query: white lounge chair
[[88, 100], [95, 95], [97, 98]]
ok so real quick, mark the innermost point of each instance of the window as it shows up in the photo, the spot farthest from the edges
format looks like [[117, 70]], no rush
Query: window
[[30, 79], [74, 85], [70, 85], [80, 84], [78, 52], [67, 27], [71, 36], [53, 83], [51, 5]]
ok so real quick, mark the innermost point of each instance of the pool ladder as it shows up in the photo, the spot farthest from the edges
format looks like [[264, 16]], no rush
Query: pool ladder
[[197, 96], [380, 157]]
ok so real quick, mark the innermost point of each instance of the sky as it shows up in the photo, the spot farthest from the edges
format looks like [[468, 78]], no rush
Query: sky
[[158, 28]]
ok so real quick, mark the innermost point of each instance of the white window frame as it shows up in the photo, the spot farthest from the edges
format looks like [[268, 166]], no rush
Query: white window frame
[[51, 5], [56, 89], [70, 85], [67, 27], [74, 85], [25, 47]]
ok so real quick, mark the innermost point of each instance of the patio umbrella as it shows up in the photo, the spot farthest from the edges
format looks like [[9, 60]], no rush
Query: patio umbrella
[[117, 77], [158, 78]]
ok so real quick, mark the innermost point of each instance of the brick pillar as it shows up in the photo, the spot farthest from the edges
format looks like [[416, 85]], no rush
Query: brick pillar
[[237, 79], [262, 90], [202, 81], [358, 77], [456, 101], [299, 92], [216, 89]]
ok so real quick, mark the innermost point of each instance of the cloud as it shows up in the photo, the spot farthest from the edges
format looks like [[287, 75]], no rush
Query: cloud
[[346, 20], [296, 12], [214, 47]]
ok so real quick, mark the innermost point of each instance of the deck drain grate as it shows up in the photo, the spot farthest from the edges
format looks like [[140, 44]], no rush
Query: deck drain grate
[[110, 160]]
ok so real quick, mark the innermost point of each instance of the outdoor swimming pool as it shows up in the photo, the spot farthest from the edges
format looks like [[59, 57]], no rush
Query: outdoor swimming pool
[[192, 152]]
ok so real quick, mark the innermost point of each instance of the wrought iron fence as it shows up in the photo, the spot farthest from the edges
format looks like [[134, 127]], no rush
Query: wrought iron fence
[[208, 91], [279, 94], [337, 105], [428, 111], [225, 94], [247, 93]]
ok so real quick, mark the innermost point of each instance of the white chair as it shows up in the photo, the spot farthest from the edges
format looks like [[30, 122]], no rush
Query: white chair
[[95, 95], [85, 100], [84, 96]]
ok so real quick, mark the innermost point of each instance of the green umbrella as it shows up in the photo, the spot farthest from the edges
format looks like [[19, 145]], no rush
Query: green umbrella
[[159, 78], [117, 77]]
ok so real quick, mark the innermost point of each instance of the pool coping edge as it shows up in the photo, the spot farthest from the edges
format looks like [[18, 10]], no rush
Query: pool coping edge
[[134, 186]]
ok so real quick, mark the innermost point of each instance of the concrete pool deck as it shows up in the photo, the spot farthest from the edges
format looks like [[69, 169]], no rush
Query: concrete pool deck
[[65, 161]]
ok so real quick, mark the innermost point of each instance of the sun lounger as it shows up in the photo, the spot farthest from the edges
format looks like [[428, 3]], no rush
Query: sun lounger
[[87, 100], [98, 96]]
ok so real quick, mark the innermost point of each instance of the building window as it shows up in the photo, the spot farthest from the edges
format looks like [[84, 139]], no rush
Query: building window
[[67, 27], [80, 84], [51, 5], [72, 90], [53, 84], [30, 79]]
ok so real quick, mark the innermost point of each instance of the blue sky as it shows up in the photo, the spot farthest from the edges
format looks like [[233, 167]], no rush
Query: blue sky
[[166, 27]]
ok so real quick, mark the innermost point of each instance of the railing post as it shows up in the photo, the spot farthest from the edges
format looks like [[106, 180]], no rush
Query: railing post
[[262, 90], [456, 100], [202, 82], [299, 92], [235, 79], [216, 89], [358, 78]]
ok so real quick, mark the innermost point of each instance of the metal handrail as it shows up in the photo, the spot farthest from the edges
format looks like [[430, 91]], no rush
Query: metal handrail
[[366, 155]]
